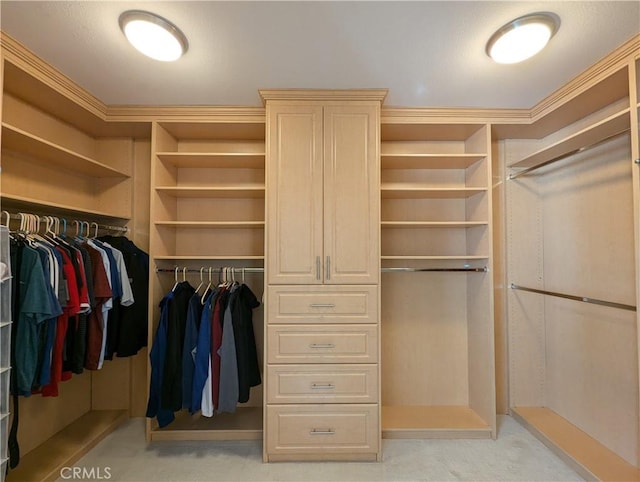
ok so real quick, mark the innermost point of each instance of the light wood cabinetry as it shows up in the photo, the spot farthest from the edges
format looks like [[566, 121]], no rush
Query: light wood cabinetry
[[572, 197], [323, 193], [61, 157], [322, 260], [437, 326], [207, 210]]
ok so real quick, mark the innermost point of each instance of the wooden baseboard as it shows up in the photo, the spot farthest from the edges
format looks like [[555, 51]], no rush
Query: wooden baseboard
[[67, 446], [583, 453]]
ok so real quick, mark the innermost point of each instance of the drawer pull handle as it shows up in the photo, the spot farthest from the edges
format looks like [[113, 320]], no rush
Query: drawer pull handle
[[322, 431], [322, 305], [322, 386], [322, 345]]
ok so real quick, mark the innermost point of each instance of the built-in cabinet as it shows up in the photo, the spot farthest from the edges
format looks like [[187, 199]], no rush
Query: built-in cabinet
[[322, 260], [323, 194]]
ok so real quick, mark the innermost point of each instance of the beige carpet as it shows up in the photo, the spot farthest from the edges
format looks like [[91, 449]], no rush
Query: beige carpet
[[515, 456]]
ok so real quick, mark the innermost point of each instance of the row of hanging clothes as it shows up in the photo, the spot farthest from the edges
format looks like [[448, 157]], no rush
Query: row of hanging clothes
[[204, 357], [76, 301]]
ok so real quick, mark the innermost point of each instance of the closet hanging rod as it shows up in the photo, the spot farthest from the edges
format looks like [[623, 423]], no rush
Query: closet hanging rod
[[383, 270], [419, 270], [584, 299], [567, 154], [105, 227], [213, 270]]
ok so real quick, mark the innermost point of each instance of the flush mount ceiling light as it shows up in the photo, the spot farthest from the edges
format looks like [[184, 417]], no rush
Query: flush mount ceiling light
[[153, 35], [522, 38]]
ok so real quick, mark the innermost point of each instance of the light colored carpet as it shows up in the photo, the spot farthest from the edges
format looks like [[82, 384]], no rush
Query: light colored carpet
[[515, 456]]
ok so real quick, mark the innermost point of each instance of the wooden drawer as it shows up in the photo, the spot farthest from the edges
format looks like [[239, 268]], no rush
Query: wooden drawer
[[322, 429], [322, 384], [322, 344], [322, 304]]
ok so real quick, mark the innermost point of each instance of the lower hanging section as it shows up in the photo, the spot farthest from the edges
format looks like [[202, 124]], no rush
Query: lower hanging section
[[416, 422], [245, 424], [583, 453]]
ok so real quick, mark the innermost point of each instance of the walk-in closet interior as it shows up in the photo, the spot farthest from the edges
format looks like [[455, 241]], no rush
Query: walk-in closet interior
[[388, 272]]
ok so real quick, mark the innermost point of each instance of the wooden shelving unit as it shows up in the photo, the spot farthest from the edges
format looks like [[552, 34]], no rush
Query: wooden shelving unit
[[567, 383], [613, 125], [436, 214], [207, 210], [60, 157], [18, 140]]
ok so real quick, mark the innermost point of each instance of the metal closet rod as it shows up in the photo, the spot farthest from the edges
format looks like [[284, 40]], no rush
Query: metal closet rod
[[106, 227], [584, 299], [567, 154], [261, 270]]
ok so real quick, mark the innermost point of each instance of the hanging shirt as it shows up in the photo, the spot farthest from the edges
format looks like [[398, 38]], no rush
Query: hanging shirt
[[246, 350], [157, 358], [34, 307], [228, 362], [95, 325], [132, 323], [172, 378], [202, 354], [194, 314]]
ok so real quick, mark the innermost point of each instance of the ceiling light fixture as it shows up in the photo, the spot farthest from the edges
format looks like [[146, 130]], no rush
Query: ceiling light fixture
[[153, 35], [522, 38]]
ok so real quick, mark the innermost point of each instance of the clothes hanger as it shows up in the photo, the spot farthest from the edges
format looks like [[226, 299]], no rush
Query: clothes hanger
[[206, 290], [175, 277], [201, 281]]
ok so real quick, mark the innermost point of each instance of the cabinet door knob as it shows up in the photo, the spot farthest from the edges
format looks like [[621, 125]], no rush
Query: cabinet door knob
[[318, 267]]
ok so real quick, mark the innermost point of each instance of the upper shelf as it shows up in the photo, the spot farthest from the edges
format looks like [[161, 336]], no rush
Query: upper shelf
[[36, 206], [400, 191], [429, 161], [239, 191], [214, 159], [17, 140], [612, 125]]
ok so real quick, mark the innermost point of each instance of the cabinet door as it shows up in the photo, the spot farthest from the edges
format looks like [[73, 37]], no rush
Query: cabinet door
[[351, 194], [294, 194]]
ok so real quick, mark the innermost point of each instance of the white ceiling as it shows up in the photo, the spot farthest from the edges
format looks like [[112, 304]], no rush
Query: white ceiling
[[428, 54]]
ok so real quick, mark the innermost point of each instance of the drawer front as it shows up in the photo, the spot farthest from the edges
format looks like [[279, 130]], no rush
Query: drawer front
[[322, 344], [322, 429], [322, 304], [322, 384]]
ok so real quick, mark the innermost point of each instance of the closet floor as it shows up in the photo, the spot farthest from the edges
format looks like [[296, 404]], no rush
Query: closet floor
[[515, 455]]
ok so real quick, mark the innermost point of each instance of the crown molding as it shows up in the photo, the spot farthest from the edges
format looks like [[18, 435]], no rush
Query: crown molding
[[612, 62], [16, 53], [134, 113], [376, 95], [404, 115]]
